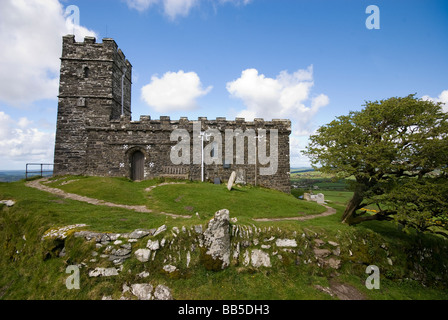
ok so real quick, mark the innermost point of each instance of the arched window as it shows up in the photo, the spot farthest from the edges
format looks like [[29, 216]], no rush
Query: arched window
[[86, 72]]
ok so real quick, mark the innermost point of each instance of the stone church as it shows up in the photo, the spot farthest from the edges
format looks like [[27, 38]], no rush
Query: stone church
[[95, 134]]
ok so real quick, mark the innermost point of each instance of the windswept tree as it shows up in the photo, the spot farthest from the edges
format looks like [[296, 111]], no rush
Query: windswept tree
[[397, 152]]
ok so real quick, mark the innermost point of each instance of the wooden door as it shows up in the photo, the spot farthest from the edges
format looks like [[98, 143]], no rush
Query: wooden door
[[137, 166]]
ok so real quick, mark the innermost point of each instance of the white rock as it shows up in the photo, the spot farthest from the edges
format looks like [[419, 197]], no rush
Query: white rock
[[286, 243], [162, 293], [8, 203], [246, 258], [160, 230], [143, 274], [103, 272], [236, 252], [142, 291], [153, 245], [125, 288], [169, 268], [142, 254], [217, 237], [260, 258], [188, 258]]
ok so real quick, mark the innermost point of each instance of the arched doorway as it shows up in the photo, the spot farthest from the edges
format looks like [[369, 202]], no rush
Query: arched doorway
[[137, 166]]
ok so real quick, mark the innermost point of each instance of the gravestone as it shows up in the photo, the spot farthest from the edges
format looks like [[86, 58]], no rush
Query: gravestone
[[320, 198], [240, 176], [217, 181], [231, 180]]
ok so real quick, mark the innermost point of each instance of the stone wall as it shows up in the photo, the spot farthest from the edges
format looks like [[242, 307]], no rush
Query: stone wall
[[110, 150]]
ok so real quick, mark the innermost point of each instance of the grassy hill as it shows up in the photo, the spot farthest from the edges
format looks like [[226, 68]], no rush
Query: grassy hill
[[30, 271]]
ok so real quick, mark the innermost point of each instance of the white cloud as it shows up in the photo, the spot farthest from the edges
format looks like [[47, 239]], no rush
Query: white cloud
[[175, 8], [286, 96], [174, 91], [236, 2], [443, 98], [141, 5], [20, 144], [31, 33], [296, 145]]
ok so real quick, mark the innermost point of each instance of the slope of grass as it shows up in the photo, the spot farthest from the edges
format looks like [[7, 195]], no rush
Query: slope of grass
[[28, 273], [191, 197]]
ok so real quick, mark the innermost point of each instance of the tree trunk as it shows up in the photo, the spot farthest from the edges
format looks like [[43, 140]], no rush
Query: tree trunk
[[351, 208]]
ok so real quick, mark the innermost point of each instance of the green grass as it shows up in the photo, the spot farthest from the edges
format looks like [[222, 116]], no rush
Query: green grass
[[117, 190], [27, 274], [242, 202], [204, 198]]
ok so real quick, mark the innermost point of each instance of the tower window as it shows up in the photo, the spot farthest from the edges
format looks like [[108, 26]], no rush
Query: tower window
[[86, 72]]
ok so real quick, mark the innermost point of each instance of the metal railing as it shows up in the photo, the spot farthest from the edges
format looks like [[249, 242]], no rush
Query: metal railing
[[41, 171]]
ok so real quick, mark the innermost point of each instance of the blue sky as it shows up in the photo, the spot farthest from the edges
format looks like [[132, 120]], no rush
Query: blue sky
[[308, 61]]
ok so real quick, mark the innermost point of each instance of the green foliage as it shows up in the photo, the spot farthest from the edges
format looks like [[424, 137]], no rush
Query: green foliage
[[385, 146], [420, 203]]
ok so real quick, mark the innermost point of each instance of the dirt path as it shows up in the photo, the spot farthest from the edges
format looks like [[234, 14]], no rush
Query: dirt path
[[163, 184], [329, 212], [38, 185]]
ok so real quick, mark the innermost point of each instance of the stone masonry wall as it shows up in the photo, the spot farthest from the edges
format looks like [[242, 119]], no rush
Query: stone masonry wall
[[110, 150]]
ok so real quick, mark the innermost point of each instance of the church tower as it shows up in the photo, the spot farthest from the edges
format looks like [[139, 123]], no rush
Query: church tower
[[95, 88]]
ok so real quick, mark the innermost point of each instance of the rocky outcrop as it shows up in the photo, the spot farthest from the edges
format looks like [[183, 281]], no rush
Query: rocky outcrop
[[217, 238], [177, 251]]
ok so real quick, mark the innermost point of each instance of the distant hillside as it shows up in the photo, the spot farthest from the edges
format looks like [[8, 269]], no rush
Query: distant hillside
[[16, 175], [301, 169]]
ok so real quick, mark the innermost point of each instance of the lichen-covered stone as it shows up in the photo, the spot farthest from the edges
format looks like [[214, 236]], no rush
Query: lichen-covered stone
[[259, 258], [142, 255], [286, 243], [217, 238]]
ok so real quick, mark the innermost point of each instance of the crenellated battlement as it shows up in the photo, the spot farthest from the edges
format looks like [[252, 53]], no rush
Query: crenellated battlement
[[89, 50], [283, 125]]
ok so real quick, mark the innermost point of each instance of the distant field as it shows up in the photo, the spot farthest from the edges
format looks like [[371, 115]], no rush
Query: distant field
[[305, 179]]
